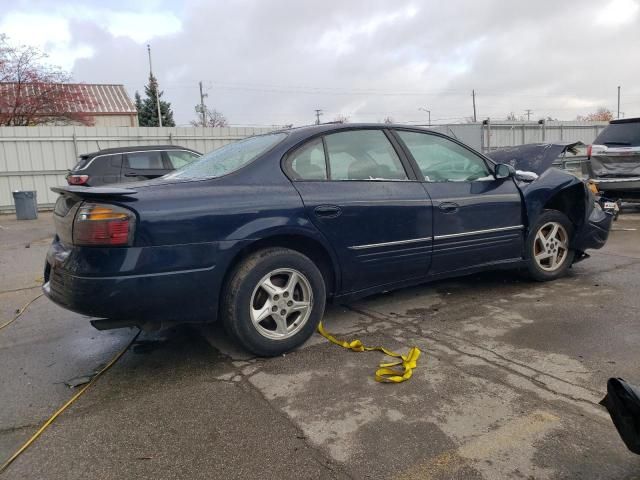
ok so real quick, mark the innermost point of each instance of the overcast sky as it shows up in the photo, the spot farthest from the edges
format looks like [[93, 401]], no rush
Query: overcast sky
[[266, 62]]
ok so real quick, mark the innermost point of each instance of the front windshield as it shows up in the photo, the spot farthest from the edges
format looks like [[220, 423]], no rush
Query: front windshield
[[229, 158]]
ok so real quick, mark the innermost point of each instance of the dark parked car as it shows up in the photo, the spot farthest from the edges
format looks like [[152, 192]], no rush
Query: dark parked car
[[614, 165], [129, 164], [260, 233]]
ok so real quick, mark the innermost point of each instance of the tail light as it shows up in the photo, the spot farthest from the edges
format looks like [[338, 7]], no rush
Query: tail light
[[589, 148], [77, 179], [99, 224]]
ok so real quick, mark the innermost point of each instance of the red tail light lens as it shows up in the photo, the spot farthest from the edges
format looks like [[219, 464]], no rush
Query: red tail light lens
[[77, 179], [103, 225], [589, 148]]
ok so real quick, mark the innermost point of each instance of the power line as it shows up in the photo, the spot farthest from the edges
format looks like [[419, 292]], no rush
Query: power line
[[318, 113]]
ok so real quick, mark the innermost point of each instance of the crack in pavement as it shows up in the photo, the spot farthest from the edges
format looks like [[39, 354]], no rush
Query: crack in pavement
[[588, 404], [499, 355], [20, 427]]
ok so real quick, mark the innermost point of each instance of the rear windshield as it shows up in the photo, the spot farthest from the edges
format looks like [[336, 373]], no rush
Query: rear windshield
[[229, 158], [620, 134]]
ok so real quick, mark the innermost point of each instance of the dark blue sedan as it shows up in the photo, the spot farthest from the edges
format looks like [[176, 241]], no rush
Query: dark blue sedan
[[261, 233]]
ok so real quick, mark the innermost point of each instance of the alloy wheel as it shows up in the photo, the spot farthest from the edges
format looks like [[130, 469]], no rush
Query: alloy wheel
[[281, 303], [551, 246]]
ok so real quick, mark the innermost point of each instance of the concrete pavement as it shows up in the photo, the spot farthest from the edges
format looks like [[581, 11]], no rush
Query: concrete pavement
[[507, 386]]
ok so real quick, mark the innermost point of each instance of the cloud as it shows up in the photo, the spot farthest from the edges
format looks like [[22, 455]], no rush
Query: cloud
[[618, 13], [275, 61]]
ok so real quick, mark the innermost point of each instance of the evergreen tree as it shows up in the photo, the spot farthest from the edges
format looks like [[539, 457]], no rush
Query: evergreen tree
[[148, 109], [138, 102]]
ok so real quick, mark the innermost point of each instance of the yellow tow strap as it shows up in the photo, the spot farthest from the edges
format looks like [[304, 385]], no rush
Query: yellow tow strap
[[392, 372]]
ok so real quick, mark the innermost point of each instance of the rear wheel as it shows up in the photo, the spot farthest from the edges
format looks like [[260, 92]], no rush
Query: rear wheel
[[273, 301], [548, 246]]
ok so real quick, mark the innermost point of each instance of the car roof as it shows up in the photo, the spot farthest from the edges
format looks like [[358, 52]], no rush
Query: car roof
[[140, 148], [625, 120], [306, 131], [326, 127]]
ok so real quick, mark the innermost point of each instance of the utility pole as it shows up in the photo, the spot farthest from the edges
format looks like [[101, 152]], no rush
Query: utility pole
[[618, 102], [529, 112], [202, 109], [157, 87], [428, 111], [473, 95], [318, 113]]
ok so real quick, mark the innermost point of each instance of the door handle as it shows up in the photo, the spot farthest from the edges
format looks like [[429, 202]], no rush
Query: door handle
[[131, 174], [449, 207], [327, 211]]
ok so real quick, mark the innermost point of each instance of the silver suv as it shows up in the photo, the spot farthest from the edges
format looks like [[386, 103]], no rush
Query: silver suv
[[615, 160]]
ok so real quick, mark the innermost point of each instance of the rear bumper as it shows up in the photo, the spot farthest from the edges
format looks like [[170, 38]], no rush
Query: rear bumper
[[595, 231], [175, 296], [138, 285], [618, 187]]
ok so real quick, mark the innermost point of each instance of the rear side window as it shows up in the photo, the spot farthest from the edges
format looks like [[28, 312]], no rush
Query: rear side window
[[105, 165], [180, 158], [363, 155], [145, 160], [620, 135], [308, 162]]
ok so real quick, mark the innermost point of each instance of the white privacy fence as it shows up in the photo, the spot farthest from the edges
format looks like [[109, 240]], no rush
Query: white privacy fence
[[485, 137], [37, 158]]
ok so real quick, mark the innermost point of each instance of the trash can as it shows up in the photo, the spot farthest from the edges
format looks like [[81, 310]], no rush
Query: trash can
[[26, 205]]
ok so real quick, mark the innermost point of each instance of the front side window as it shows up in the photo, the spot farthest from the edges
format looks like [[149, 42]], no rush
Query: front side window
[[181, 158], [229, 158], [363, 155], [441, 160], [145, 160], [308, 162]]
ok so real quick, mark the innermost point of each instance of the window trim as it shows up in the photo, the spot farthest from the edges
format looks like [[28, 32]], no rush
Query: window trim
[[490, 164], [404, 159], [132, 151]]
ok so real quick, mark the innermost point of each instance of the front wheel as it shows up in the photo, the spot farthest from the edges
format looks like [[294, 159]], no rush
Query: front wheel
[[549, 254], [273, 301]]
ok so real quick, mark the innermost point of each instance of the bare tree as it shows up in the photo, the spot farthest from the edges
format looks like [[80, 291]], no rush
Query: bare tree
[[388, 120], [34, 93], [212, 118], [602, 114], [341, 119]]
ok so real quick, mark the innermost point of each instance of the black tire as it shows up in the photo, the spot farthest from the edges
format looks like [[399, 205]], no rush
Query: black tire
[[535, 270], [238, 298]]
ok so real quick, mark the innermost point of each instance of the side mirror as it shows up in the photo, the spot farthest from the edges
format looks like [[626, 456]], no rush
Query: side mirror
[[504, 171]]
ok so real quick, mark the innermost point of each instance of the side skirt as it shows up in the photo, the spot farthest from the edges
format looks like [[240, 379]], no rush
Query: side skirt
[[509, 264]]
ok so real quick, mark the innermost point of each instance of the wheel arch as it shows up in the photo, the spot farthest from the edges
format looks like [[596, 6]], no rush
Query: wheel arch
[[317, 250], [570, 201], [556, 190]]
